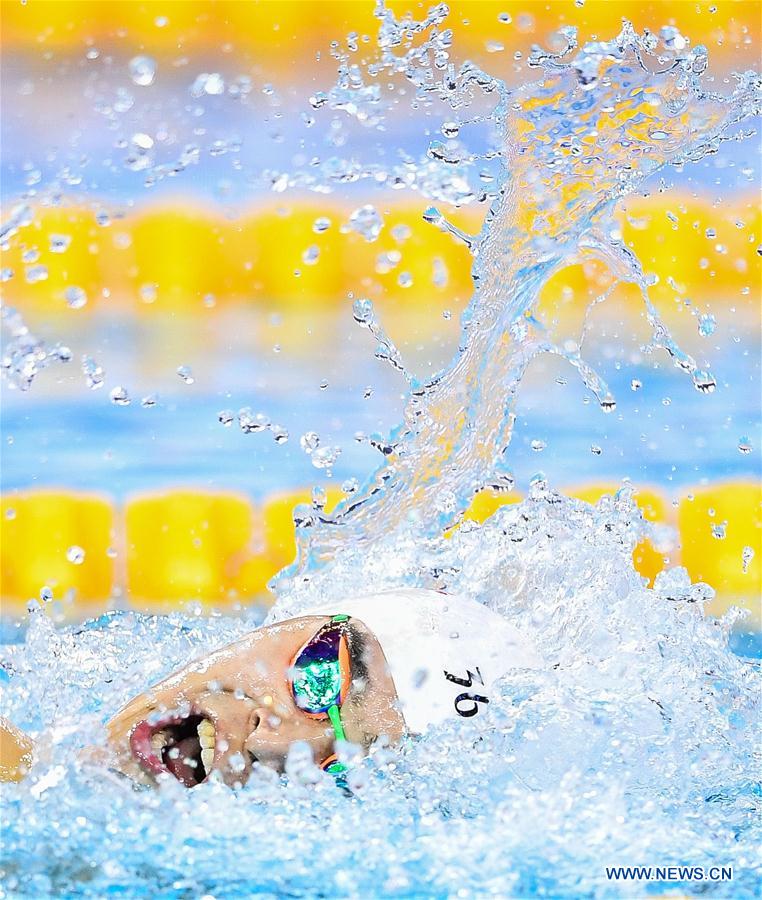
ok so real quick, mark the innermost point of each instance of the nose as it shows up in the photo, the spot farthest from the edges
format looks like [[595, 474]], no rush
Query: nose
[[271, 735]]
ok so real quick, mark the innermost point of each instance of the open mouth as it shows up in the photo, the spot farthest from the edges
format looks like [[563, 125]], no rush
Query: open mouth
[[182, 745]]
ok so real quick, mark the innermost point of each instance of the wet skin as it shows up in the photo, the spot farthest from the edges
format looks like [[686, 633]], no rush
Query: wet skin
[[244, 691]]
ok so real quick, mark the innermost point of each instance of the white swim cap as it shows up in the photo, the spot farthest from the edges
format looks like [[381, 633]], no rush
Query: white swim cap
[[444, 652]]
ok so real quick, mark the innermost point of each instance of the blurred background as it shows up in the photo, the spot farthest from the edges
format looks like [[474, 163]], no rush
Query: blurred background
[[190, 225]]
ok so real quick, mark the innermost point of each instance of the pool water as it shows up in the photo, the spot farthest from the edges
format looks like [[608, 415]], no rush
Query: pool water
[[634, 746], [635, 743]]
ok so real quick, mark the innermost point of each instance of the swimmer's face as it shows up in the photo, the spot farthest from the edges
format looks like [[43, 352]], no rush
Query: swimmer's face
[[235, 709]]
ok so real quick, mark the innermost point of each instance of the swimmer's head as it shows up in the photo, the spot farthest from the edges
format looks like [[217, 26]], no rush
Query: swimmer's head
[[360, 669]]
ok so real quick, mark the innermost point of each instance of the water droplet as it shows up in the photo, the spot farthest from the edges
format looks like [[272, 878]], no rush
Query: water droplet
[[309, 441], [367, 393], [366, 221], [124, 100], [46, 594], [672, 38], [93, 373], [405, 279], [211, 83], [706, 325], [321, 224], [251, 423], [596, 450], [744, 445], [325, 457], [538, 446], [318, 99], [10, 513], [59, 243], [441, 152], [119, 396], [185, 373], [636, 384], [440, 277], [387, 261], [279, 433], [538, 485], [433, 216], [33, 274], [719, 530], [147, 292], [76, 555], [6, 273], [149, 401], [450, 129], [323, 385], [362, 311], [747, 555], [161, 21], [505, 18], [226, 417], [75, 297], [142, 141], [311, 255], [350, 486], [142, 70], [319, 497], [704, 382]]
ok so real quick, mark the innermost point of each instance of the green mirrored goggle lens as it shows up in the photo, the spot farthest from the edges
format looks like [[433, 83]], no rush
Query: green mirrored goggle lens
[[317, 685]]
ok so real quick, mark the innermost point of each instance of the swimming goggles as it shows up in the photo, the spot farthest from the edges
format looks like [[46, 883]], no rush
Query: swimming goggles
[[320, 679]]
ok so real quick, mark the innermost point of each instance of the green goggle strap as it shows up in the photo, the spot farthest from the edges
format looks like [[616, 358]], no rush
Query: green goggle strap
[[335, 716]]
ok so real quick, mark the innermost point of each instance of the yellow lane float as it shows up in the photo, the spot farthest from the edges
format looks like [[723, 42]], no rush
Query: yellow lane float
[[274, 258], [269, 35], [58, 542], [218, 549], [15, 752], [721, 538], [185, 545]]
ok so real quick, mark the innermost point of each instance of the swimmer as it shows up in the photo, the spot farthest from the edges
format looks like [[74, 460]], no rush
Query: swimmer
[[357, 670]]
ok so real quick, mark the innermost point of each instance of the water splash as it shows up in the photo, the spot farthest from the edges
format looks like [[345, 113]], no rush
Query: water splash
[[588, 133], [24, 354], [632, 744]]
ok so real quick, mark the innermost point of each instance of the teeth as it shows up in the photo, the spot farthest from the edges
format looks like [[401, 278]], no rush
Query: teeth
[[205, 731], [158, 740]]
